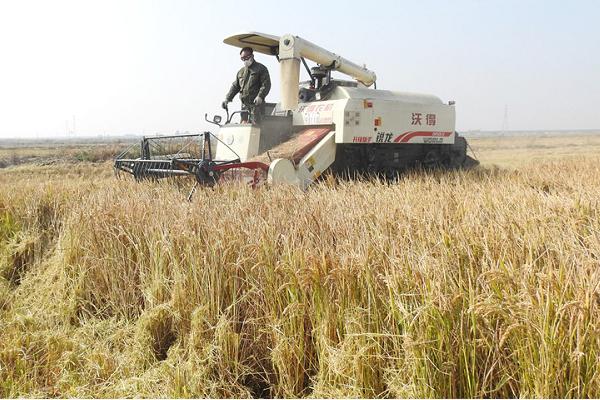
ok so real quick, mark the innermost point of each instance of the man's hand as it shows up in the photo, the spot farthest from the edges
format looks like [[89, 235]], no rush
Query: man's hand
[[258, 101], [224, 104]]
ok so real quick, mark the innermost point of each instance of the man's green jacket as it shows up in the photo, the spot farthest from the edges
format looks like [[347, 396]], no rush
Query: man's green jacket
[[250, 82]]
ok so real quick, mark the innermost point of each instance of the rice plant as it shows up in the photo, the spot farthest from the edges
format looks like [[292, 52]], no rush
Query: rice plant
[[466, 284]]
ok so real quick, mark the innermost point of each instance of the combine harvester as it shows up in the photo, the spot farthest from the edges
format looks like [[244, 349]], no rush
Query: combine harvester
[[323, 124]]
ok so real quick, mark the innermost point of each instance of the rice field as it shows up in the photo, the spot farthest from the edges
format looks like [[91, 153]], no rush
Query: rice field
[[484, 283]]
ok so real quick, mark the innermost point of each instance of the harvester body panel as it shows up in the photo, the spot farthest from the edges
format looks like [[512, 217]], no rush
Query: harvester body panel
[[370, 116], [238, 141]]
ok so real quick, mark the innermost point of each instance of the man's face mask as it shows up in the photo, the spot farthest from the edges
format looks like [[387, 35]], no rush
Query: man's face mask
[[248, 60]]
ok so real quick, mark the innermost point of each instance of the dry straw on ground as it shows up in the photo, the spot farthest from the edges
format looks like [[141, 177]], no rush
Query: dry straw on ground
[[464, 284]]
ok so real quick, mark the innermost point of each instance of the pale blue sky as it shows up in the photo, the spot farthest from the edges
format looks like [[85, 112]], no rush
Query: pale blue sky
[[158, 66]]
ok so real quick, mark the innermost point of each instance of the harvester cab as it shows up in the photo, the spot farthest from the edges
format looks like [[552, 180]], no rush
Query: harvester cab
[[323, 124]]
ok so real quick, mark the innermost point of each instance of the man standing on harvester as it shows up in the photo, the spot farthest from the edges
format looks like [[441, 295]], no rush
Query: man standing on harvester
[[253, 84]]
